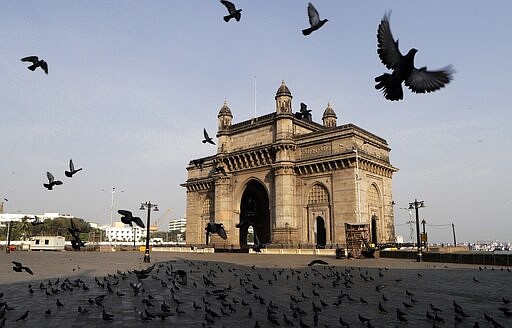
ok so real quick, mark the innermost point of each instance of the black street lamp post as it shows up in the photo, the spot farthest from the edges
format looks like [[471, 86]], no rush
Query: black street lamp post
[[148, 206], [134, 237], [9, 228], [424, 238], [415, 205]]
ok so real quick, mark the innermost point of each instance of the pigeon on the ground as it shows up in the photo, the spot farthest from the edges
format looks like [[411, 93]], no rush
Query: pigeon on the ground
[[317, 262], [36, 62], [417, 80], [233, 12], [128, 218], [207, 138], [51, 181], [72, 170], [23, 316], [314, 20], [18, 267]]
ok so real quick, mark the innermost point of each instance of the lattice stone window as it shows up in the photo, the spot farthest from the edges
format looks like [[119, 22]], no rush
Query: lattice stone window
[[318, 195], [207, 206]]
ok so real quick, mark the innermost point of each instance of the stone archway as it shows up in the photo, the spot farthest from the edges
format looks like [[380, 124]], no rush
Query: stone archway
[[374, 211], [373, 226], [321, 236], [255, 212]]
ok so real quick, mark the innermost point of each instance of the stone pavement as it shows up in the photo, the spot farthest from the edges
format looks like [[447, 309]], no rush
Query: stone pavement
[[233, 285]]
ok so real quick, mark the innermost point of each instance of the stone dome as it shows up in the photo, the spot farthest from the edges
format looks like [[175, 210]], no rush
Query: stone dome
[[224, 110], [283, 90], [329, 112]]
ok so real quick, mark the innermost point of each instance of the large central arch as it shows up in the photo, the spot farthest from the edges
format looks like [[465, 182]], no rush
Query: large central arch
[[255, 212]]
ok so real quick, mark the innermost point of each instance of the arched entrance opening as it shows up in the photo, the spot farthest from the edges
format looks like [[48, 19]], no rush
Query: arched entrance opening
[[255, 213], [374, 229], [375, 209], [320, 232]]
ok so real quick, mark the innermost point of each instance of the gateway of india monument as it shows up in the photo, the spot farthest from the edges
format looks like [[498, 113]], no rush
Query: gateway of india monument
[[297, 183]]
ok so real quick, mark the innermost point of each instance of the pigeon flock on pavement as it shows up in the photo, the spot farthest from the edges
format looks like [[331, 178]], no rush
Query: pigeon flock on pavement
[[196, 293]]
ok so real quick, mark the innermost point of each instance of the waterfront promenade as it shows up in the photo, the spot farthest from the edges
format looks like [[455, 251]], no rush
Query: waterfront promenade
[[248, 290]]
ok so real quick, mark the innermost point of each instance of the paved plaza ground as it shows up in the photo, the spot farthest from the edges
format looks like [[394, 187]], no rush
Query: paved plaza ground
[[247, 290]]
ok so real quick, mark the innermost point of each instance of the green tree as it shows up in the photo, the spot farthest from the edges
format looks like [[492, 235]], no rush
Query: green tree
[[23, 228]]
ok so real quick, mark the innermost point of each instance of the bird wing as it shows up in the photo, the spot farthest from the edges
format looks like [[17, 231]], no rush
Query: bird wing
[[222, 232], [205, 134], [27, 269], [138, 221], [421, 80], [388, 50], [32, 59], [231, 7], [18, 264], [44, 66], [126, 220], [50, 177], [71, 166], [73, 227], [125, 213], [314, 18]]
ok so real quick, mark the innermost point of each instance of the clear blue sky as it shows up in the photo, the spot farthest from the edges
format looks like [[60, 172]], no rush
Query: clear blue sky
[[131, 85]]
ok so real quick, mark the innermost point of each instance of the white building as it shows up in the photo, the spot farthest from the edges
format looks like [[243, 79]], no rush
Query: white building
[[178, 224], [6, 217], [121, 232]]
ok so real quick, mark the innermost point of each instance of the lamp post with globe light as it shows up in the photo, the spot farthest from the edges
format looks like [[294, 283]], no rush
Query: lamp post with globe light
[[416, 205], [148, 206]]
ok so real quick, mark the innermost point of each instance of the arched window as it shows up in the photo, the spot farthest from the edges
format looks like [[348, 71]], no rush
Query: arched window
[[207, 206], [318, 195], [373, 196]]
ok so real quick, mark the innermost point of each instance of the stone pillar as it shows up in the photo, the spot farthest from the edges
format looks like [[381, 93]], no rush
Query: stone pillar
[[284, 231], [193, 226], [223, 213]]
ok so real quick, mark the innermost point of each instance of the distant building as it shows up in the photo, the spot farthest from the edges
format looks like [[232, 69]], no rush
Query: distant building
[[6, 217], [177, 229], [121, 232], [296, 182], [178, 225]]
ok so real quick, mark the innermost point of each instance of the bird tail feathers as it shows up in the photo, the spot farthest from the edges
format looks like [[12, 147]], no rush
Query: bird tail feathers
[[227, 18], [391, 89]]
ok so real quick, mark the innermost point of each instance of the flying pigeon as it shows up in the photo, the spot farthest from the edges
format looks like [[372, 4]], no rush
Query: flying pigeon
[[233, 12], [217, 228], [36, 63], [72, 170], [18, 267], [36, 221], [76, 242], [128, 218], [314, 20], [207, 138], [417, 80], [51, 181]]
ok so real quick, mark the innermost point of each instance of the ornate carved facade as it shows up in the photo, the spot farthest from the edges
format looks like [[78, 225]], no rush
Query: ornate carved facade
[[295, 181]]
